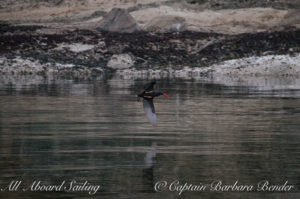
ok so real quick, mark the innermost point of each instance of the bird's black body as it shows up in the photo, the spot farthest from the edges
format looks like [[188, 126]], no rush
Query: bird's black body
[[148, 94]]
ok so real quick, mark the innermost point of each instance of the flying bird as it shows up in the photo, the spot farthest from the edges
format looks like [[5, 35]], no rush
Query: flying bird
[[148, 94]]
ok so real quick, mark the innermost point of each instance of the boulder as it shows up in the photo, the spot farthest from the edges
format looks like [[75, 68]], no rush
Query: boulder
[[167, 23], [118, 20], [120, 61]]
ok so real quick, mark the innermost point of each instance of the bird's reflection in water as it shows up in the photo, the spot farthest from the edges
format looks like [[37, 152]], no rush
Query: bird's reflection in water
[[148, 177]]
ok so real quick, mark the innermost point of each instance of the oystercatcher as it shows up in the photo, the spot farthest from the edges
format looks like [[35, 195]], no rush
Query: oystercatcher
[[148, 94]]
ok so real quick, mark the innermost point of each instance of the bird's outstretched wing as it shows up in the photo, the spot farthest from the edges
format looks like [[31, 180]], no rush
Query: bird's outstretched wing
[[149, 86], [150, 111]]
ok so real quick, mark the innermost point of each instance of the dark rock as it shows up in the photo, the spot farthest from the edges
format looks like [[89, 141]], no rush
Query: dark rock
[[236, 4]]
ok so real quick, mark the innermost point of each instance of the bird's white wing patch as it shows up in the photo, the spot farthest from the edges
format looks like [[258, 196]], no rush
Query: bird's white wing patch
[[150, 112]]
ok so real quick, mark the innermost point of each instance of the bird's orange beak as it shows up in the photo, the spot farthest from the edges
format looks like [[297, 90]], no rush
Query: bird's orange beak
[[166, 95]]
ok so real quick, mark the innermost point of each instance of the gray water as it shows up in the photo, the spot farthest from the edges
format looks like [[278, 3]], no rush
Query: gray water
[[96, 131]]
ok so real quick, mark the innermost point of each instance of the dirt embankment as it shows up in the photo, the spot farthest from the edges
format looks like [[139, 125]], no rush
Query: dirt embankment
[[225, 17]]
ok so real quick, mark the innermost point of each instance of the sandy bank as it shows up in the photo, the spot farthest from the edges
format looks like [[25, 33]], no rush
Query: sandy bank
[[221, 21]]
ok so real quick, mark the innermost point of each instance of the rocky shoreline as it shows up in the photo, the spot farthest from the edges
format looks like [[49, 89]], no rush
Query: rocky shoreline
[[95, 38], [94, 50]]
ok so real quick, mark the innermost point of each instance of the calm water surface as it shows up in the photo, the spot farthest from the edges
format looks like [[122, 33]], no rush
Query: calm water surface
[[97, 131]]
